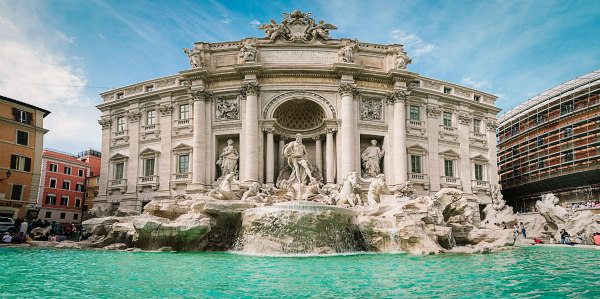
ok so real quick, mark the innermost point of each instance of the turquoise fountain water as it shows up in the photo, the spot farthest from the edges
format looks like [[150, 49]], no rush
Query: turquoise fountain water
[[527, 272]]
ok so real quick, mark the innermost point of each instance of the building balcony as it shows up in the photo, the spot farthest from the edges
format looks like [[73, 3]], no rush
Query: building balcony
[[477, 185], [150, 180], [120, 133], [150, 132], [477, 135], [415, 126], [120, 138], [180, 179], [448, 129], [450, 182], [118, 184], [419, 179], [448, 133], [183, 126]]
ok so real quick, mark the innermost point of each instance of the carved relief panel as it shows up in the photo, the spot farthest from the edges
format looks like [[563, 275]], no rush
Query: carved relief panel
[[227, 109], [371, 109]]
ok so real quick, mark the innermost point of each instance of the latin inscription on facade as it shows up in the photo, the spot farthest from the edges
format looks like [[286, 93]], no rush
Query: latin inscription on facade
[[294, 56]]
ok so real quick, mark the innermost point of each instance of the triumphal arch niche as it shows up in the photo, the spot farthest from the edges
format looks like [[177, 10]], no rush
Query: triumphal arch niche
[[345, 106]]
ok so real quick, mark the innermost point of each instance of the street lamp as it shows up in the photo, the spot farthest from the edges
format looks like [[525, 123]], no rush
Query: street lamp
[[8, 173]]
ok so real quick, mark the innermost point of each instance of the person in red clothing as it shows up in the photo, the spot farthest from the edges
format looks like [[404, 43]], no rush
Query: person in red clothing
[[597, 239]]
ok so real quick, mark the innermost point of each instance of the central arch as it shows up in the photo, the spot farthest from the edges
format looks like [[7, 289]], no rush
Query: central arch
[[274, 103], [299, 115]]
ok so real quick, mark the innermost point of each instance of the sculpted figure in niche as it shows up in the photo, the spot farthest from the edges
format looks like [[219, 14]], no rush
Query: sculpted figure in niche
[[370, 160], [295, 153], [195, 57], [248, 52], [228, 160]]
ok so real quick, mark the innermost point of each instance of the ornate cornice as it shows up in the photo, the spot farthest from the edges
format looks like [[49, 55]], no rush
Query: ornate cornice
[[348, 89]]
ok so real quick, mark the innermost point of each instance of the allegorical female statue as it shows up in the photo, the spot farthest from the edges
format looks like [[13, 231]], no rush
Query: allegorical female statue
[[228, 160], [370, 160]]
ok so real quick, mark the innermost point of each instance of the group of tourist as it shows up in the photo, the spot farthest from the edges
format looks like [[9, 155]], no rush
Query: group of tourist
[[585, 205], [38, 230]]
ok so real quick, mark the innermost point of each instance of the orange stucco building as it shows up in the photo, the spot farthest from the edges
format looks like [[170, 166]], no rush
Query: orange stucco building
[[21, 143]]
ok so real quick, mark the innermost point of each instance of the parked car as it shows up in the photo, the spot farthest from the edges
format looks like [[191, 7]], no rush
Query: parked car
[[6, 224]]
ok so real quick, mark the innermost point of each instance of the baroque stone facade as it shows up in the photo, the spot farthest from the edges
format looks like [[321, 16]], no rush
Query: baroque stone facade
[[344, 97]]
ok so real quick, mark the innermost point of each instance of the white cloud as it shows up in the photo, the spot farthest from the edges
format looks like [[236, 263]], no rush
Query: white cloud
[[254, 23], [413, 44], [64, 37], [32, 71], [226, 19], [474, 83]]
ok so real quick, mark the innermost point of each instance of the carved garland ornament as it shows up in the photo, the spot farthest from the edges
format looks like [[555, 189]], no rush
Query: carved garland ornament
[[165, 110], [464, 118], [134, 116], [433, 111]]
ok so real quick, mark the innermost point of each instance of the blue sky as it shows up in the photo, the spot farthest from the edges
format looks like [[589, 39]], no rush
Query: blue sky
[[59, 54]]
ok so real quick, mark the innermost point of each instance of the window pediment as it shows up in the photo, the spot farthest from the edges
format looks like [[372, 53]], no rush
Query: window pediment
[[449, 154], [480, 159], [118, 156], [417, 149], [149, 152], [182, 147]]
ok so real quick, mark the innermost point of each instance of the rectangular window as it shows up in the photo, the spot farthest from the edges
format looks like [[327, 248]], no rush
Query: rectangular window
[[75, 216], [48, 215], [183, 163], [62, 215], [22, 138], [149, 167], [22, 116], [568, 131], [119, 170], [568, 156], [20, 163], [67, 170], [540, 140], [566, 108], [64, 201], [477, 98], [120, 124], [52, 183], [447, 90], [540, 119], [541, 164], [447, 117], [16, 192], [77, 202], [53, 167], [415, 113], [449, 168], [120, 95], [151, 117], [415, 163], [477, 125], [80, 173], [50, 199], [149, 88], [66, 185], [479, 172], [184, 111], [79, 187]]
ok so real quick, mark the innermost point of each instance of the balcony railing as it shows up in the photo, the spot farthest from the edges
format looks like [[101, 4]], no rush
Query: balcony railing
[[450, 180], [418, 177], [120, 133], [480, 185], [478, 135], [117, 184], [448, 129], [181, 177], [148, 179], [150, 127], [182, 122], [415, 123]]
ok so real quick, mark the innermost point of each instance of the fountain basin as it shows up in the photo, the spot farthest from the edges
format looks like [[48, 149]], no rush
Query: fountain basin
[[299, 227]]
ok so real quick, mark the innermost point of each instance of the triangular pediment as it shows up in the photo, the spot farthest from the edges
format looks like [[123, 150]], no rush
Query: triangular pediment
[[449, 153], [417, 148], [149, 151], [182, 147], [118, 156], [480, 158]]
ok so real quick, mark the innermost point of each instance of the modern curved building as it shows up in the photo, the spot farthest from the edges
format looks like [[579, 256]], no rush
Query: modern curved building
[[551, 143], [169, 135]]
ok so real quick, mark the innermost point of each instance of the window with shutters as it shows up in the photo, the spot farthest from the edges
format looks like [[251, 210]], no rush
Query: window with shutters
[[20, 163], [53, 167], [52, 183], [64, 201], [79, 187], [16, 192], [66, 185], [77, 202], [22, 138], [50, 199], [80, 173], [22, 116], [68, 170]]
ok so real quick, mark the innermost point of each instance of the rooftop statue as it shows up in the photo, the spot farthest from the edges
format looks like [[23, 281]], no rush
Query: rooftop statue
[[297, 27], [195, 57]]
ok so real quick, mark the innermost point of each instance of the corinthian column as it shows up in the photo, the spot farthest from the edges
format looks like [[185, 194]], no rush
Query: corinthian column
[[347, 130], [199, 138], [318, 153], [251, 133], [398, 97]]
